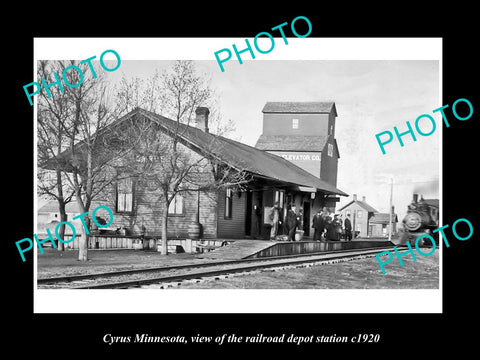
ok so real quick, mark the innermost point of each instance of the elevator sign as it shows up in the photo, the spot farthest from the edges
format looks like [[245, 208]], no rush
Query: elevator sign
[[307, 160]]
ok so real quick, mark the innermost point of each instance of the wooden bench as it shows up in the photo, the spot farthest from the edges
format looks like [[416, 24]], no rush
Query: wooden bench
[[107, 231]]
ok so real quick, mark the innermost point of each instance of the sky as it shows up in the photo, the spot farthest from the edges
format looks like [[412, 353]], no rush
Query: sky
[[376, 84], [371, 96]]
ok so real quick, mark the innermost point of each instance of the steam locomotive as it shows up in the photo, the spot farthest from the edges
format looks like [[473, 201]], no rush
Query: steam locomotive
[[421, 218]]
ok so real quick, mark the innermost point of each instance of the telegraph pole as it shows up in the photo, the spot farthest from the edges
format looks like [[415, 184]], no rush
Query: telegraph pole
[[390, 211]]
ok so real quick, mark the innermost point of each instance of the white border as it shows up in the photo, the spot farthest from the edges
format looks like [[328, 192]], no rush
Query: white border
[[239, 301], [204, 48]]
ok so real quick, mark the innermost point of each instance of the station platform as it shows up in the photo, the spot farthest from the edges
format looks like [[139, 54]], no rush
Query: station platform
[[252, 249], [238, 249]]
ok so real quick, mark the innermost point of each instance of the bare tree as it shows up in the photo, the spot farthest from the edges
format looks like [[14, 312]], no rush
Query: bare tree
[[175, 94], [86, 114], [86, 125], [152, 150], [52, 120]]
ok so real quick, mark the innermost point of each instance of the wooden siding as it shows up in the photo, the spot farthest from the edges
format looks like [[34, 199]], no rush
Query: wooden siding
[[148, 206], [329, 164], [147, 212], [235, 227], [308, 124]]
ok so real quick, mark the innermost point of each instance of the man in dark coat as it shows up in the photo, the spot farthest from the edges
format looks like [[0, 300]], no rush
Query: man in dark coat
[[291, 222], [331, 233], [348, 228], [318, 223]]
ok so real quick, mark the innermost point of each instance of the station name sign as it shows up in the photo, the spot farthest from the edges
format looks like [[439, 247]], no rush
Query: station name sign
[[298, 156], [307, 160]]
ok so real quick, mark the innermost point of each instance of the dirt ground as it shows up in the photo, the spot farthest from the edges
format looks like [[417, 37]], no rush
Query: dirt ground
[[61, 263], [356, 274]]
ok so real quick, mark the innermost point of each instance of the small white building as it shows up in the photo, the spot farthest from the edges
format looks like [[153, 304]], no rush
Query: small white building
[[48, 216], [379, 224], [359, 212]]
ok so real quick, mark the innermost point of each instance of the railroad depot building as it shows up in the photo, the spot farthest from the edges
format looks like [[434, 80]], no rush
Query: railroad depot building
[[226, 212]]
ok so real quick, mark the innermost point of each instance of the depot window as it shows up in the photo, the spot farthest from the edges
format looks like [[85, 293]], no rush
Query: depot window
[[124, 193], [280, 197], [228, 203], [176, 205]]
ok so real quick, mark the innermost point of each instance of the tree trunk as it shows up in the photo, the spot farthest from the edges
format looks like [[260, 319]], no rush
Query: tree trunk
[[61, 206], [164, 227], [82, 246], [61, 200], [61, 233], [83, 240]]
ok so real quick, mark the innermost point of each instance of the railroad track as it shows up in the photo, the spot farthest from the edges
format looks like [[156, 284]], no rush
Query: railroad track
[[176, 274]]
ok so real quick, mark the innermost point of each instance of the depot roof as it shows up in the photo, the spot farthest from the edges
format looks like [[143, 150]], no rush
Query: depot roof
[[245, 157], [237, 155]]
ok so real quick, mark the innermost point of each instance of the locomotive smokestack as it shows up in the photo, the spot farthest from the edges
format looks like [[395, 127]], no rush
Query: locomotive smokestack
[[415, 198]]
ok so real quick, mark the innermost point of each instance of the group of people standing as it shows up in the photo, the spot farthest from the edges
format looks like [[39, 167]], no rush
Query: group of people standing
[[290, 223], [326, 225]]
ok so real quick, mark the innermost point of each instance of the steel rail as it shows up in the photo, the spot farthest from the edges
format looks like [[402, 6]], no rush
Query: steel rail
[[285, 262], [72, 278]]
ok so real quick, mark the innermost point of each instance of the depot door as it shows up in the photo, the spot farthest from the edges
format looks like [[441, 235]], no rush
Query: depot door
[[306, 218], [248, 214]]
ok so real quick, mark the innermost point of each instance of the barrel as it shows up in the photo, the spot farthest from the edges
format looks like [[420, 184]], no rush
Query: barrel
[[299, 235], [194, 230]]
